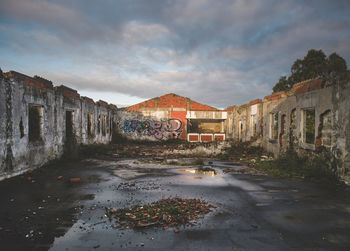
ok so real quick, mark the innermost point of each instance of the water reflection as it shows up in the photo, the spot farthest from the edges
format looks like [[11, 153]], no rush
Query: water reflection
[[206, 170]]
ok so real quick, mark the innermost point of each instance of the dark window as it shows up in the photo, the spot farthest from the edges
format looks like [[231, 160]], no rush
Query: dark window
[[21, 128], [69, 124], [35, 123], [99, 124]]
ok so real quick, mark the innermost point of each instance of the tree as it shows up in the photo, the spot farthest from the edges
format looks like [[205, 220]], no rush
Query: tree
[[282, 85], [314, 65], [336, 67]]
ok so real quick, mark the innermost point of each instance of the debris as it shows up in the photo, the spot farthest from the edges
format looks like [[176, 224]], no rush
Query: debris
[[164, 213], [73, 180], [29, 178], [176, 230], [59, 177]]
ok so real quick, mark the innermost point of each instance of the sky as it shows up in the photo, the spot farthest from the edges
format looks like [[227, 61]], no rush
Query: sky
[[218, 52]]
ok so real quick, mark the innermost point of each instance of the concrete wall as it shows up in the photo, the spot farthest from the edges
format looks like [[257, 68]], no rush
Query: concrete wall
[[331, 105], [17, 94]]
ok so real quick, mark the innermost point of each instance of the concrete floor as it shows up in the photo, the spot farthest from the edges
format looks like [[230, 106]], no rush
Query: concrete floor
[[254, 212]]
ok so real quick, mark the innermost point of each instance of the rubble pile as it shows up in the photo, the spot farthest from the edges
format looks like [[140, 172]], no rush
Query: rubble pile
[[169, 212]]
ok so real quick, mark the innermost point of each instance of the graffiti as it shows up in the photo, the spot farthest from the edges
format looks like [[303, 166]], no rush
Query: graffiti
[[167, 129]]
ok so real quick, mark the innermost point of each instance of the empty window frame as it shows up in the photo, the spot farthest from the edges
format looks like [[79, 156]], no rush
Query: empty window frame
[[274, 125], [35, 123], [309, 125], [99, 124], [240, 129], [103, 123], [253, 123], [90, 124], [69, 124]]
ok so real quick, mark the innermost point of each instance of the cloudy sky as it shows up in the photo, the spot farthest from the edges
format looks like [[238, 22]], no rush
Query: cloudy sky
[[218, 52]]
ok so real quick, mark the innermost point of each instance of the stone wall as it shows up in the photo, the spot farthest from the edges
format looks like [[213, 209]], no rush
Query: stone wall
[[39, 122], [314, 115]]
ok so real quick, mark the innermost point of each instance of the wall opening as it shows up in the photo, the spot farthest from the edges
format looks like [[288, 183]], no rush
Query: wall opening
[[309, 126], [69, 125], [292, 128], [253, 124], [103, 122], [240, 129], [283, 124], [90, 125], [204, 126], [274, 125], [21, 128], [325, 129], [35, 123], [99, 124]]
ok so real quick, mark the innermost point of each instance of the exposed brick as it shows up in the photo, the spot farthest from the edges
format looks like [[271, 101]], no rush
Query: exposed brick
[[36, 82], [113, 107], [309, 86], [67, 92], [255, 101], [102, 103], [88, 100], [195, 106], [275, 96], [172, 100]]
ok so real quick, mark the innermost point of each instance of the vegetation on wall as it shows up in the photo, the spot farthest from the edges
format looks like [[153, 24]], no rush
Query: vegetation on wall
[[314, 65]]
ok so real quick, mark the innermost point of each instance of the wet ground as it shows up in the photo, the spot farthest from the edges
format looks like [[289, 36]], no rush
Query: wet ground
[[43, 211]]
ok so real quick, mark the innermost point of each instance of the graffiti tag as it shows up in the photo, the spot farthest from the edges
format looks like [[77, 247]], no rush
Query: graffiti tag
[[166, 129]]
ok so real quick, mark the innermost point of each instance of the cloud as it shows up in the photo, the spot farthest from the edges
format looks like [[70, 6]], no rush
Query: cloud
[[217, 52]]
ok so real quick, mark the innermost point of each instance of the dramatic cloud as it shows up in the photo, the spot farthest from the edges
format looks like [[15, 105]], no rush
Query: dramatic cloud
[[217, 52]]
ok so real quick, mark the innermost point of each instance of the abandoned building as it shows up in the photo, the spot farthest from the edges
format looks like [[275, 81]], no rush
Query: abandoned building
[[39, 121], [173, 116]]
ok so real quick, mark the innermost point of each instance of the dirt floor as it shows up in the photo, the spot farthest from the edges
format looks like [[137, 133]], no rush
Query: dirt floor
[[63, 206]]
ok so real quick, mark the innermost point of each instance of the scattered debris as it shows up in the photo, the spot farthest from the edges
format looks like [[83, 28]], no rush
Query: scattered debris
[[166, 213], [59, 177], [73, 180]]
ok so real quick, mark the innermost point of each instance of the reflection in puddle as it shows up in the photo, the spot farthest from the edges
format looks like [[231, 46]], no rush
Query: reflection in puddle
[[206, 171]]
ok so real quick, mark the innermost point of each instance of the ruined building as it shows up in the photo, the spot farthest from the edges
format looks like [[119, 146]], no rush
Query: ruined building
[[39, 122]]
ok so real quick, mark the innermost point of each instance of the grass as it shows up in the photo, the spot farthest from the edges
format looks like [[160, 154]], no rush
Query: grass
[[290, 164]]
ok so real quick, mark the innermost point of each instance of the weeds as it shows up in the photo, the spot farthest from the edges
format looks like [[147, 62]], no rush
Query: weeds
[[290, 164]]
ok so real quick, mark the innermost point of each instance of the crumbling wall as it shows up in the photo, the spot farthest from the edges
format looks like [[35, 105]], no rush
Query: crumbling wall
[[314, 115], [40, 122]]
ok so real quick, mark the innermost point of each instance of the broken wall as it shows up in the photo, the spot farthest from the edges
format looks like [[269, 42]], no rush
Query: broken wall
[[34, 122], [313, 115]]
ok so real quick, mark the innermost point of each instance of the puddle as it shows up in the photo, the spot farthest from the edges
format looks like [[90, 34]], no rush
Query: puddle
[[206, 171]]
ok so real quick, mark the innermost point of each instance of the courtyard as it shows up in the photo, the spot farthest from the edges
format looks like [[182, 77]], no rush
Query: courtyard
[[65, 205]]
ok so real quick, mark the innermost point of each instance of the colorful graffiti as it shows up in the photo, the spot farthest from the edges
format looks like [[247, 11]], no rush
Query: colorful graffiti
[[166, 129]]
